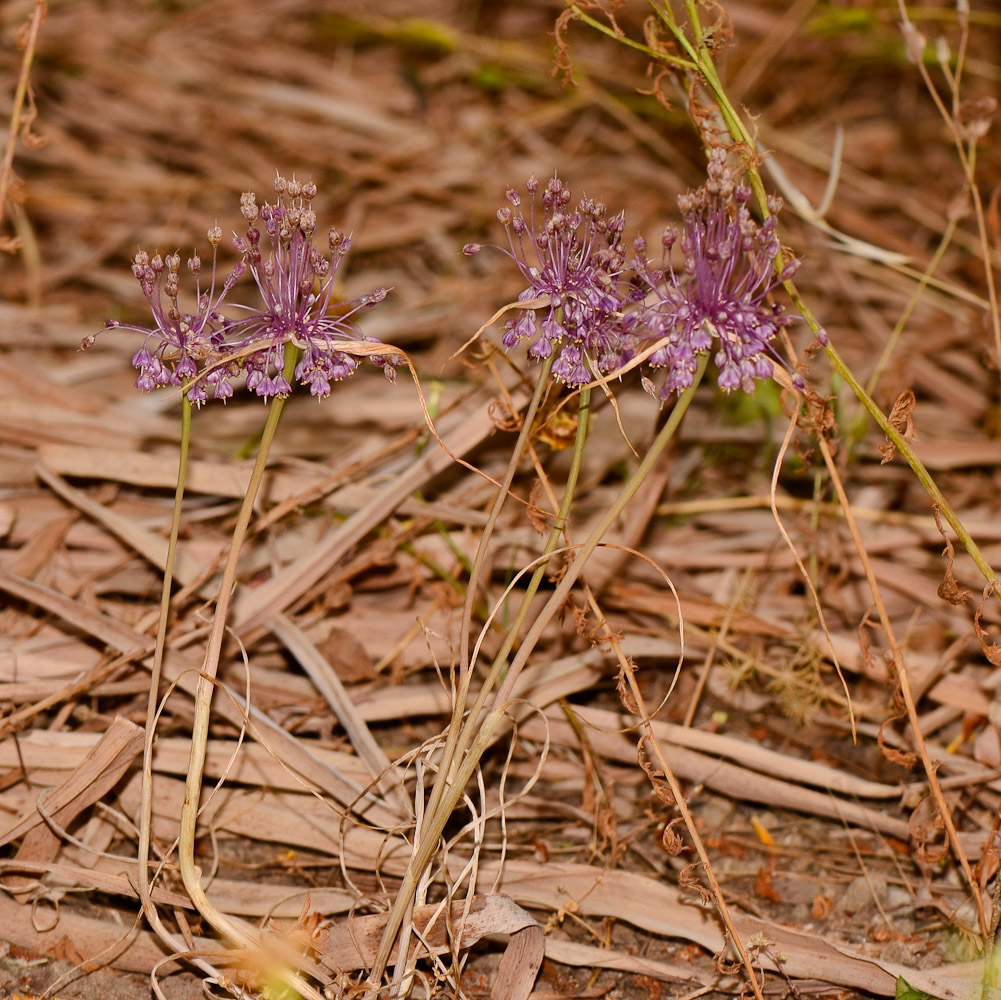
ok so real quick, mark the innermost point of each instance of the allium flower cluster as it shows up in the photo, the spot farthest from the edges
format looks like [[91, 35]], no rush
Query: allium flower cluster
[[601, 312], [572, 259], [720, 297], [297, 304], [296, 281], [179, 342]]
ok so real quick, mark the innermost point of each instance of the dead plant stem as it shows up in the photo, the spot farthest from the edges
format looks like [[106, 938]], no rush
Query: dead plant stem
[[495, 509], [903, 682], [574, 569], [682, 804], [17, 118]]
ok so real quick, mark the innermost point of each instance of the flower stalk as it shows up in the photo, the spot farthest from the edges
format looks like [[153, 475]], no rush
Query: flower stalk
[[190, 872]]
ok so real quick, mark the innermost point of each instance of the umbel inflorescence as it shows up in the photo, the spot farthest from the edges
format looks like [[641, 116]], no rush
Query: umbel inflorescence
[[572, 259], [296, 303], [600, 312]]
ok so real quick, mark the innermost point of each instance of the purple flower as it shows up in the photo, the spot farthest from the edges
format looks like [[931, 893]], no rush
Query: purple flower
[[572, 259], [720, 297], [299, 305], [178, 342], [205, 350]]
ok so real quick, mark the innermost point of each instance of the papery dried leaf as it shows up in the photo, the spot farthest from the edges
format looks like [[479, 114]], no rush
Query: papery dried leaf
[[901, 419], [670, 840], [949, 590], [688, 878], [721, 963], [538, 518], [625, 695], [763, 885], [657, 778], [502, 417], [990, 649], [905, 758], [925, 833]]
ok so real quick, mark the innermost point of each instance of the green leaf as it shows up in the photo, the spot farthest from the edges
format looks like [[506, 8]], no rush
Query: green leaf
[[907, 992]]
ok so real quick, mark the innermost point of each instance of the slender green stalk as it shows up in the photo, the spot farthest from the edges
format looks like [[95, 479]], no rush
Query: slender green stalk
[[152, 705], [190, 872], [918, 467], [706, 68], [483, 730], [898, 328], [593, 540], [451, 779], [629, 43], [499, 499], [465, 667], [479, 729]]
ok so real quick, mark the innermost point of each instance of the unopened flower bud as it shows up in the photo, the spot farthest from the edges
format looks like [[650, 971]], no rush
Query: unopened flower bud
[[789, 269], [914, 42]]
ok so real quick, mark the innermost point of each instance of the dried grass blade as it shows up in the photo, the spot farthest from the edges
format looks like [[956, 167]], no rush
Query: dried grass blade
[[101, 942], [607, 739], [100, 626], [73, 875], [325, 678], [99, 771], [150, 546], [289, 584]]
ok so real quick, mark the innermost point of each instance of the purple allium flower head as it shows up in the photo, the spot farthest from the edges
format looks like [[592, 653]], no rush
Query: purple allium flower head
[[296, 281], [178, 342], [571, 257], [720, 296]]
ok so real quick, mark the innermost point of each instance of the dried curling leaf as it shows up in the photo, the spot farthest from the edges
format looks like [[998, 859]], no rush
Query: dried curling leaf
[[901, 419], [949, 590], [657, 778], [990, 649]]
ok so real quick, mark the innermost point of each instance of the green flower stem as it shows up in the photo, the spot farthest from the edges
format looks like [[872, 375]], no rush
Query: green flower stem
[[465, 668], [483, 729], [190, 872], [488, 529], [144, 885], [703, 60], [906, 452], [499, 664], [152, 704], [675, 61], [451, 780], [573, 571]]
